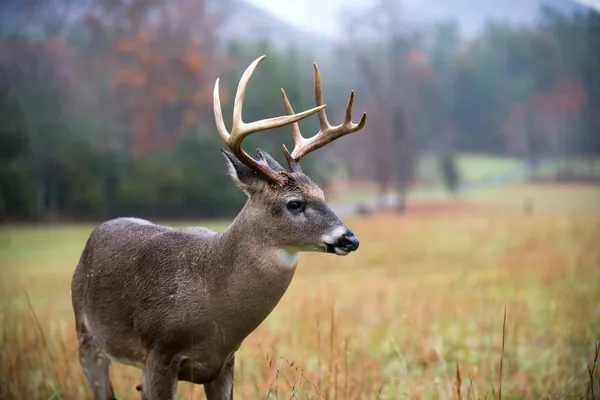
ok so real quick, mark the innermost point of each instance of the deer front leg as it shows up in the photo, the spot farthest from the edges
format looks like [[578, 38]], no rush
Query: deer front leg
[[95, 366], [159, 381], [143, 387], [222, 387]]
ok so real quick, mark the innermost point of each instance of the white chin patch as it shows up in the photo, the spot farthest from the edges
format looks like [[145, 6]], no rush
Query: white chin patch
[[340, 252]]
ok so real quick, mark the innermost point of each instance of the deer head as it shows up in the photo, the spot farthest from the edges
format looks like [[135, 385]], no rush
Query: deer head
[[286, 206]]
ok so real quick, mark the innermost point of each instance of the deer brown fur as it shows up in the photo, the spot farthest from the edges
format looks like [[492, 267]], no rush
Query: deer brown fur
[[178, 303]]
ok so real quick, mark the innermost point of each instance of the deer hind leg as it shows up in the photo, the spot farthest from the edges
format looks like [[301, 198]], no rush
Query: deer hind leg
[[222, 387], [95, 365], [159, 380]]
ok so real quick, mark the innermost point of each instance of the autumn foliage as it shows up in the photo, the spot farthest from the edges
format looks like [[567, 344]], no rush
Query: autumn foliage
[[546, 117], [108, 106]]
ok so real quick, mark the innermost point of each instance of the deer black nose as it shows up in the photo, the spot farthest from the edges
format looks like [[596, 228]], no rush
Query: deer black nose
[[348, 242]]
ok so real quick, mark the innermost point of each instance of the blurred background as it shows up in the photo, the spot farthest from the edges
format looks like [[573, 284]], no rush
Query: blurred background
[[474, 187], [106, 106]]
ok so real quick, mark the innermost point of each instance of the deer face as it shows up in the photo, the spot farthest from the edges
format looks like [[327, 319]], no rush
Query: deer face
[[293, 216]]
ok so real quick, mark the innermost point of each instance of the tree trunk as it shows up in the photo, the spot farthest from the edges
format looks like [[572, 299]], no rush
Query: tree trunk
[[401, 205], [53, 199], [40, 195]]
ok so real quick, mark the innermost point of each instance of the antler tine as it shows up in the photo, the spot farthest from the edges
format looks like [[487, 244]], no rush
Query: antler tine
[[240, 130], [327, 133], [323, 123], [298, 138], [288, 109]]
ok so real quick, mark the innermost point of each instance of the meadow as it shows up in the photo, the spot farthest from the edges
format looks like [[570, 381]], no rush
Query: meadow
[[432, 306]]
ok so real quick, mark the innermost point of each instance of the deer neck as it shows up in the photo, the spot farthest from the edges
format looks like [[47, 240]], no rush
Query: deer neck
[[247, 249], [256, 274]]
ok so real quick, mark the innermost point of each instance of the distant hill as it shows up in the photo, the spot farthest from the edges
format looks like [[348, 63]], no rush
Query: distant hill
[[473, 14], [251, 22], [248, 22]]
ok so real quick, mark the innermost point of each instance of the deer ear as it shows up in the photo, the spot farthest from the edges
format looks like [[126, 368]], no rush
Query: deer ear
[[243, 176], [271, 162]]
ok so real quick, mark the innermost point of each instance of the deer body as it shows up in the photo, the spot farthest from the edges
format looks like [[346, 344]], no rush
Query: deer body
[[177, 303], [199, 262]]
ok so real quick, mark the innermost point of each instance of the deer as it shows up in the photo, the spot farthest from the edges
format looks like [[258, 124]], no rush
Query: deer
[[177, 303]]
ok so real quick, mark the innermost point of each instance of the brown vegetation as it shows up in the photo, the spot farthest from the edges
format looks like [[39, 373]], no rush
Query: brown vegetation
[[417, 312]]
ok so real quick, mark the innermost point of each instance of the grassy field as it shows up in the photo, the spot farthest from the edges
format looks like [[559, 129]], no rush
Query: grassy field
[[578, 166], [416, 312], [543, 198], [472, 167]]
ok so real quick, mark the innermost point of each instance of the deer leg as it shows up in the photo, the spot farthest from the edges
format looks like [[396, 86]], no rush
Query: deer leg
[[143, 387], [160, 381], [222, 387], [95, 364]]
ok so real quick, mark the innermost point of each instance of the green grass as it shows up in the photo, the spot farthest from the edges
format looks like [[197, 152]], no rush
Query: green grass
[[472, 167], [543, 198], [579, 166], [476, 168], [54, 241]]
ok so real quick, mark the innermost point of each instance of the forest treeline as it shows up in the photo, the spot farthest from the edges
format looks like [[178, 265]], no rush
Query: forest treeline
[[108, 110]]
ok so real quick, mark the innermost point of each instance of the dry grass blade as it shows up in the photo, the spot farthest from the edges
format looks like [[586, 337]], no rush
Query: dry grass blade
[[458, 382], [502, 356], [471, 388], [591, 370]]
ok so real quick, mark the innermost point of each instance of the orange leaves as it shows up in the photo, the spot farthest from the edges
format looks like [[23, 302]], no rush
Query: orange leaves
[[417, 58], [157, 59], [546, 113], [130, 77], [139, 43], [59, 47], [566, 97], [146, 35], [194, 62], [135, 43], [570, 94], [160, 63], [166, 92], [127, 46]]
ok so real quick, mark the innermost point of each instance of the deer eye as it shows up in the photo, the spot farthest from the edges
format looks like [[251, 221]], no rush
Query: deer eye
[[295, 205]]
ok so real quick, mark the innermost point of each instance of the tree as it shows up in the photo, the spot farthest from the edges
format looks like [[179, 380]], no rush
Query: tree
[[544, 124], [394, 75], [577, 40], [31, 85], [449, 170]]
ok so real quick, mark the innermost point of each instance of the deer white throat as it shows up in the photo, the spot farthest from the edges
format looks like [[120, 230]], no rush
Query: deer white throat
[[287, 258]]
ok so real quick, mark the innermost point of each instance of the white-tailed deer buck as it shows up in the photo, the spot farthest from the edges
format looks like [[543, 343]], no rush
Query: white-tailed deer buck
[[177, 303]]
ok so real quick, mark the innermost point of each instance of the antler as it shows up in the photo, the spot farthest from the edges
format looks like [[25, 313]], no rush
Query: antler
[[240, 130], [327, 133]]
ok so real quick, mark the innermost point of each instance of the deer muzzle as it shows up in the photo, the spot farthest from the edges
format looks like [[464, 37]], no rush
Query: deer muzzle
[[344, 244]]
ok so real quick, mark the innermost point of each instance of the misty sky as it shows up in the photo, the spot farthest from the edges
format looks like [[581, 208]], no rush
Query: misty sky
[[314, 15], [323, 15]]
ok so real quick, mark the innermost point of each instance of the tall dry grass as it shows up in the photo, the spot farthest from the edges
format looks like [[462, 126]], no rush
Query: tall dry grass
[[469, 307]]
